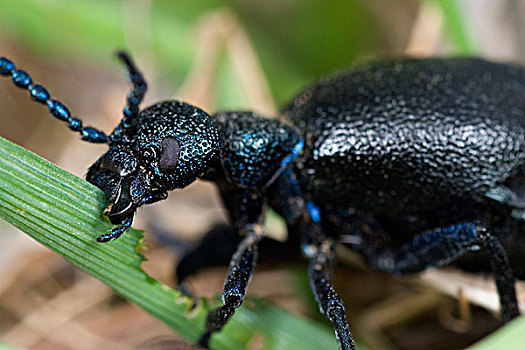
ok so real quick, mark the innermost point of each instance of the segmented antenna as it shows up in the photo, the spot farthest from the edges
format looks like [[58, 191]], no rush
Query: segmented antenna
[[40, 94], [131, 109]]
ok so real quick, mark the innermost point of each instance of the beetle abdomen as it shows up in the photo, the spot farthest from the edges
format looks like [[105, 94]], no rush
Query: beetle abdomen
[[411, 132]]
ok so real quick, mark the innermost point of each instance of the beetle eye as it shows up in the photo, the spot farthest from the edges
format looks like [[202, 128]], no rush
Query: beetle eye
[[170, 154]]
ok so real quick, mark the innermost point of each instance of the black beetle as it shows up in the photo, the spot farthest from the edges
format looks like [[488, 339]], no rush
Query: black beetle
[[418, 161]]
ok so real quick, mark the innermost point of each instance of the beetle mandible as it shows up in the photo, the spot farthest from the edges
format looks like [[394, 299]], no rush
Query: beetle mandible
[[420, 161]]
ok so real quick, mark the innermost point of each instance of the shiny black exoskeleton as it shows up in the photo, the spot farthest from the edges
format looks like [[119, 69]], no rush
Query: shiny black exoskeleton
[[416, 162]]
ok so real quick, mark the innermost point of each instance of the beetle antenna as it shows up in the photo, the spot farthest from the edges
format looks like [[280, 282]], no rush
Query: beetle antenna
[[40, 94], [131, 109]]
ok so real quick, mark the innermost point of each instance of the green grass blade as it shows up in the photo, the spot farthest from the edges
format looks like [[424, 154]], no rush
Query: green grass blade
[[510, 337], [63, 212]]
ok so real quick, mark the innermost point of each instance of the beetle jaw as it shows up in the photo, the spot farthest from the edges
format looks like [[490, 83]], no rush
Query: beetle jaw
[[119, 206], [130, 193]]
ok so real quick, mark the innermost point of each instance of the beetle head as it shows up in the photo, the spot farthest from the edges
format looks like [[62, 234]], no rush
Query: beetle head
[[167, 146]]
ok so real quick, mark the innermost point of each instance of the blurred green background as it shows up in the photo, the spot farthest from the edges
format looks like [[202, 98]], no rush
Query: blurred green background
[[234, 54], [295, 41]]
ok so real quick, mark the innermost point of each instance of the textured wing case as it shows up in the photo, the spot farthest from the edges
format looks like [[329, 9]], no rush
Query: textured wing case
[[410, 131]]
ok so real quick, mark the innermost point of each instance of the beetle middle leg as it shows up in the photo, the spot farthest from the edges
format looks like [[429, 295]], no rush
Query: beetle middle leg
[[304, 220], [319, 250], [442, 246]]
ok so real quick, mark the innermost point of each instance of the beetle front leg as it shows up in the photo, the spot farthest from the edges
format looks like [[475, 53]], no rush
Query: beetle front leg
[[116, 232], [241, 267], [217, 248], [154, 197], [304, 220], [239, 275], [319, 250]]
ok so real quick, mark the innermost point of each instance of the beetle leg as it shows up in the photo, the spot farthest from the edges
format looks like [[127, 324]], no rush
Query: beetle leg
[[320, 253], [304, 219], [215, 249], [117, 231], [239, 275], [442, 246], [154, 198], [249, 223]]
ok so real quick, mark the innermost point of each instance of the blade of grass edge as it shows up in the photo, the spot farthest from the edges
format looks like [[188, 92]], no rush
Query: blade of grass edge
[[63, 212]]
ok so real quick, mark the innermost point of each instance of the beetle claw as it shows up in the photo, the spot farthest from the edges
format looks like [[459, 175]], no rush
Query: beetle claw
[[116, 232]]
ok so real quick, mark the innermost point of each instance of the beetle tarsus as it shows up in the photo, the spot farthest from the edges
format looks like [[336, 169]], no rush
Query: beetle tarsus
[[204, 340], [116, 232]]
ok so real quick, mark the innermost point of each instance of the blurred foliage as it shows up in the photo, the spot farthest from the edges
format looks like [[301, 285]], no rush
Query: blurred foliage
[[7, 347], [296, 41], [455, 26]]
